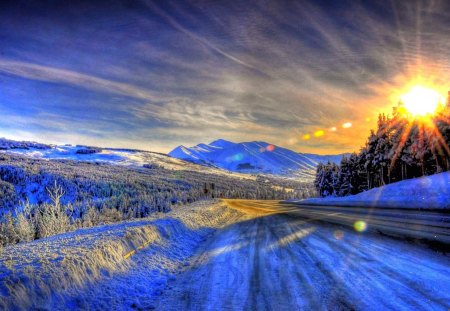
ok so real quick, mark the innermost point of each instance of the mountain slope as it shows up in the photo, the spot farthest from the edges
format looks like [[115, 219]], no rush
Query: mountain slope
[[253, 157], [124, 157]]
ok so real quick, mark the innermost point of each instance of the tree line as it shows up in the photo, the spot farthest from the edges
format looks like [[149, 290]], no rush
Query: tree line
[[402, 147], [40, 198]]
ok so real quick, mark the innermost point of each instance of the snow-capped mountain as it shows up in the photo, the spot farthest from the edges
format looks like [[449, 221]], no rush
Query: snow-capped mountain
[[253, 157]]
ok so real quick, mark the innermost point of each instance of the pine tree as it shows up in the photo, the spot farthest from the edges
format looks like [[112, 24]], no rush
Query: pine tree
[[402, 147], [344, 186]]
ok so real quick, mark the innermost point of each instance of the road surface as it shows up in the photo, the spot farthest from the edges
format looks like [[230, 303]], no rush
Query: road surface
[[429, 225], [282, 257]]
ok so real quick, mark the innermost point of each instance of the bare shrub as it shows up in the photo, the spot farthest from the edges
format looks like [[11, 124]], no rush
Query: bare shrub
[[25, 229], [53, 218]]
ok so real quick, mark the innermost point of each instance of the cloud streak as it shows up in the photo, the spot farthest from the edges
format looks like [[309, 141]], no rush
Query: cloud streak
[[56, 75]]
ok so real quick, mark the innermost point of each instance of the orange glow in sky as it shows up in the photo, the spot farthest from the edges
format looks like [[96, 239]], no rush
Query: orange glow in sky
[[347, 125]]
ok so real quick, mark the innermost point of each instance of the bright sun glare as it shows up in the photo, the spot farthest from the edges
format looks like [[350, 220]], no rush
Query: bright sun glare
[[422, 101]]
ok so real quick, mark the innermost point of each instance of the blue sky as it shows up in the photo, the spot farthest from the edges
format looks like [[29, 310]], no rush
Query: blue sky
[[156, 74]]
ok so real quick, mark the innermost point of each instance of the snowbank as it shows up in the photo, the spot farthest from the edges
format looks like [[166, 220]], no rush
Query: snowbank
[[425, 192], [36, 274]]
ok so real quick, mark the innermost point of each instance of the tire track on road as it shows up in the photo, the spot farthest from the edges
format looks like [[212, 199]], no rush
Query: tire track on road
[[285, 261]]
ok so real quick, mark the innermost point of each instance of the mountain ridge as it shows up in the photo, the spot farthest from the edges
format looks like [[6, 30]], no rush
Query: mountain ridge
[[254, 157]]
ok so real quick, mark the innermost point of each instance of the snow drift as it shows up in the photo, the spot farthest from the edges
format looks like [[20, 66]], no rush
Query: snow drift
[[41, 274], [426, 192]]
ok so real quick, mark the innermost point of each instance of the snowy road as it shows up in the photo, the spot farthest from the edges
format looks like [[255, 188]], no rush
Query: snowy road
[[431, 225], [275, 259]]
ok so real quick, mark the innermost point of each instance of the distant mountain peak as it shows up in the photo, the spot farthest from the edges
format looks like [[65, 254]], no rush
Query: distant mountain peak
[[222, 143], [256, 157]]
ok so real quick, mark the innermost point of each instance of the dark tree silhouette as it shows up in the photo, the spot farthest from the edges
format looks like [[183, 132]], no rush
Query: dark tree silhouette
[[402, 147]]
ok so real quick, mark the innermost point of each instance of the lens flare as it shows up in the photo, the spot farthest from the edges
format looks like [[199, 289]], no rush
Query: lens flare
[[319, 133], [333, 129], [338, 234], [347, 125], [238, 157], [306, 137], [360, 226], [270, 148], [234, 158]]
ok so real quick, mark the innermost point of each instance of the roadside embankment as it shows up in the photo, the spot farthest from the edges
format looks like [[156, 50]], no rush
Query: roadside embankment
[[33, 274]]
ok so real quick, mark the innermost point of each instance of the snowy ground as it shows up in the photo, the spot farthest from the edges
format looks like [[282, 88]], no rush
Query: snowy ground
[[251, 255], [86, 269], [272, 261], [425, 192], [120, 157]]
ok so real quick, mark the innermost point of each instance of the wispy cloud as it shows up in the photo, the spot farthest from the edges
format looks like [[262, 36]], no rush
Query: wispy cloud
[[56, 75], [198, 38]]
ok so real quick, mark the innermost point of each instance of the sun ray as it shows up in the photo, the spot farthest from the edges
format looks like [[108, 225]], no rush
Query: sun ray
[[405, 135]]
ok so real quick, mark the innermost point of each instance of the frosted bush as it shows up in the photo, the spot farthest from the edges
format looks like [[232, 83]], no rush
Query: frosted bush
[[52, 221], [7, 230], [108, 215], [53, 218], [8, 198], [25, 228]]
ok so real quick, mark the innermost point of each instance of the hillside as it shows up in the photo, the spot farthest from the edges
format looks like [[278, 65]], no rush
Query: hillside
[[123, 157], [253, 157], [40, 198], [105, 184], [86, 260]]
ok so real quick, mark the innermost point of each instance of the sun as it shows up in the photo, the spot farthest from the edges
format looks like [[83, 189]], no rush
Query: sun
[[422, 101]]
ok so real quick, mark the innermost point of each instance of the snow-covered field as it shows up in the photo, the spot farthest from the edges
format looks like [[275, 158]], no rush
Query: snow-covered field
[[425, 192], [85, 269]]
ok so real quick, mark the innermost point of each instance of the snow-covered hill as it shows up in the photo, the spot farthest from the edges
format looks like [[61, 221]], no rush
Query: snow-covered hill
[[7, 144], [218, 157], [253, 157], [425, 192], [126, 157]]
